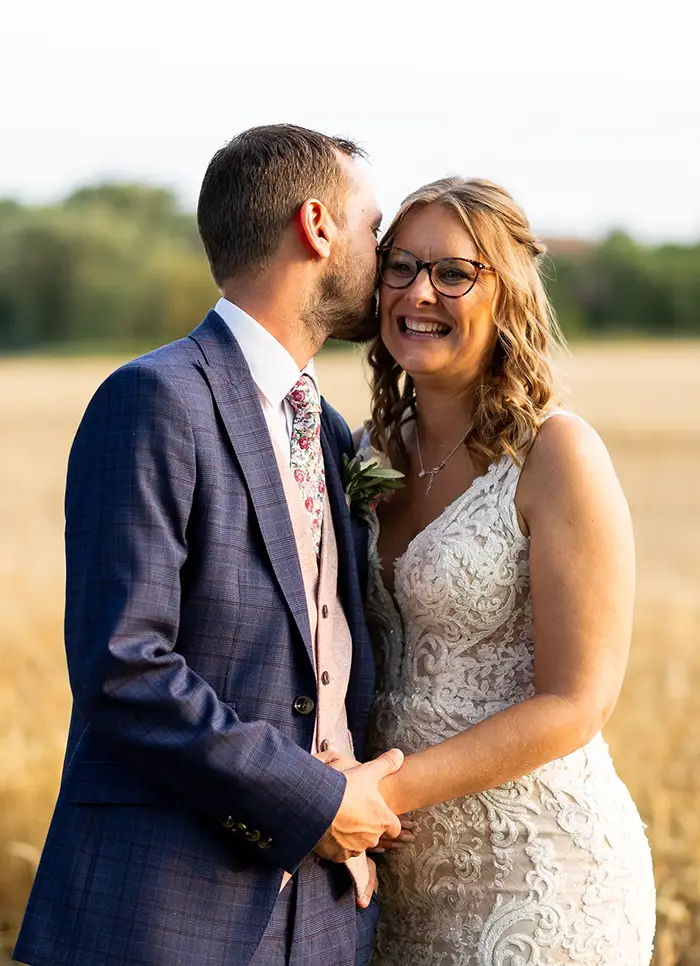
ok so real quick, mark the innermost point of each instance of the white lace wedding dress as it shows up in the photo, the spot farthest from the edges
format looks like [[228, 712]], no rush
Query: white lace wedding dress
[[553, 868]]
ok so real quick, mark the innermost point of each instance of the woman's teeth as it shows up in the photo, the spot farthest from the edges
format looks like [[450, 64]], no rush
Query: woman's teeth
[[416, 327]]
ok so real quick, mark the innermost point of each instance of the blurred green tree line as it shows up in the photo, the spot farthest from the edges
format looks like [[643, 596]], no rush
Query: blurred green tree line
[[122, 263]]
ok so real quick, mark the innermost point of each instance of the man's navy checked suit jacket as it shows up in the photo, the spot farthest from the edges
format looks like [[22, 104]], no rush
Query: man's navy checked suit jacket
[[190, 662]]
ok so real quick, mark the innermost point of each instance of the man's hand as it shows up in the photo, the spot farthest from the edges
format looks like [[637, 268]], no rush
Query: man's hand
[[363, 817], [337, 760]]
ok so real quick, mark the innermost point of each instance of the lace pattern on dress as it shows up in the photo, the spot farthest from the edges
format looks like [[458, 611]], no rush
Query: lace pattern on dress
[[553, 868]]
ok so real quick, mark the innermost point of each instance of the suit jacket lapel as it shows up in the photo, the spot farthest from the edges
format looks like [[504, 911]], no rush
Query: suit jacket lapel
[[237, 401]]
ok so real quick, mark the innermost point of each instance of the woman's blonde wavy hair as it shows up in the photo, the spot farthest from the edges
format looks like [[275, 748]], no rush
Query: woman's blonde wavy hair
[[513, 395]]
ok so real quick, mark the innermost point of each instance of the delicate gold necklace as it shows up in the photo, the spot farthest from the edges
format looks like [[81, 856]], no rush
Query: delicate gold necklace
[[436, 469]]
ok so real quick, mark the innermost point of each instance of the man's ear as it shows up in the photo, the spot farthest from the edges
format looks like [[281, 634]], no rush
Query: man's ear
[[317, 227]]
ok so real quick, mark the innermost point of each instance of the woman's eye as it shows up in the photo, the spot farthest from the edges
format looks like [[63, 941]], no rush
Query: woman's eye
[[455, 275]]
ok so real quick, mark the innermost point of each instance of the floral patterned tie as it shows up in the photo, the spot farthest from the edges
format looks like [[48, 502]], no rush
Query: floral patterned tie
[[306, 454]]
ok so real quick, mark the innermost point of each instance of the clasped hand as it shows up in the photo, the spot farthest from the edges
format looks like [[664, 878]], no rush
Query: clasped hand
[[363, 817]]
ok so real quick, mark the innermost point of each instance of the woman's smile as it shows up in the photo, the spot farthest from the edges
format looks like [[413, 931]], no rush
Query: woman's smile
[[422, 329]]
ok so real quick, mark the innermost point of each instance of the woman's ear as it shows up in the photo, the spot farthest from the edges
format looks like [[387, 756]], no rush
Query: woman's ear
[[318, 228]]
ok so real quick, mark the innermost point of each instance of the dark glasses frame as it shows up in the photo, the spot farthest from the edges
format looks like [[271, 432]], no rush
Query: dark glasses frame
[[429, 266]]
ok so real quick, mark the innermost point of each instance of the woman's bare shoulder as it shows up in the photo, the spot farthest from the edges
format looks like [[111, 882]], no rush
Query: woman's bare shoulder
[[568, 461], [564, 440]]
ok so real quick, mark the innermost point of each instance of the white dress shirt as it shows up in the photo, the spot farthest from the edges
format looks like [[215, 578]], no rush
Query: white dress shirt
[[273, 370]]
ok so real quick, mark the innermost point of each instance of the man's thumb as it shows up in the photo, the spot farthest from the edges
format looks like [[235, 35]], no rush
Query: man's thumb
[[386, 764]]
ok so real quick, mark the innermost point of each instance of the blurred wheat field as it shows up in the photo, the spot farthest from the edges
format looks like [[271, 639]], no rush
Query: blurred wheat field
[[645, 402]]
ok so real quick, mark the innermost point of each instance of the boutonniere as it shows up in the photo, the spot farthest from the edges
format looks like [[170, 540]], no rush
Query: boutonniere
[[368, 478]]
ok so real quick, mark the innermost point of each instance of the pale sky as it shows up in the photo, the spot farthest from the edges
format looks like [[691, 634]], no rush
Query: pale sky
[[589, 113]]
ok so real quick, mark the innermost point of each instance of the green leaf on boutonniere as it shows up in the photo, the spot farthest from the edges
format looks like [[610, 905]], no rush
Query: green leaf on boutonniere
[[367, 481]]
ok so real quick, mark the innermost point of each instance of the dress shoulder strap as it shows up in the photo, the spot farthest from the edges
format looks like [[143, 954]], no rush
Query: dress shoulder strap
[[560, 412]]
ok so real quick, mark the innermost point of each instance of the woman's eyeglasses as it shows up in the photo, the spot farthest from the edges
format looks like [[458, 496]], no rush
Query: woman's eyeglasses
[[451, 277]]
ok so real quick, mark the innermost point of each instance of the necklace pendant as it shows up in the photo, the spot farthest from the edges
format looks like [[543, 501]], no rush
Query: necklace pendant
[[432, 474]]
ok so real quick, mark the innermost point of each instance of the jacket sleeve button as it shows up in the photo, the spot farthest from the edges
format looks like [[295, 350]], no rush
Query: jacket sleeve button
[[264, 843], [228, 822]]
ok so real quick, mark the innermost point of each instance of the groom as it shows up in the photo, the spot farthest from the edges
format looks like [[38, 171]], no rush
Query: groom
[[214, 622]]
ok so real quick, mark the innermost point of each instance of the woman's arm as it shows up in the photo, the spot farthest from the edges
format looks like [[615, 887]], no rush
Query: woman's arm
[[582, 584]]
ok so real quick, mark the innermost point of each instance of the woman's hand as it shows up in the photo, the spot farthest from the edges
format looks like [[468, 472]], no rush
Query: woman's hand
[[406, 837]]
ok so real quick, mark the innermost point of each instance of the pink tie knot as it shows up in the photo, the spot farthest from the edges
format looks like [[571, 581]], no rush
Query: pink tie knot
[[304, 398]]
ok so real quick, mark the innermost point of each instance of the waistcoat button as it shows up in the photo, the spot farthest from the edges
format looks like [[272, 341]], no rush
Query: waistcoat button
[[325, 745], [304, 705], [324, 610], [325, 678]]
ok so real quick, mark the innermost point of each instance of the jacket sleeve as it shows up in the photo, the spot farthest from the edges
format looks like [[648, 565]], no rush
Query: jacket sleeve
[[131, 480]]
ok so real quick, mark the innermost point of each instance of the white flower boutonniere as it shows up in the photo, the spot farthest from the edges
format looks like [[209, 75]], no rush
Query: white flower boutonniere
[[368, 478]]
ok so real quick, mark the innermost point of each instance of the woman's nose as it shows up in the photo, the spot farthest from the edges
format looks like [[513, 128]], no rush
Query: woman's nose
[[421, 289]]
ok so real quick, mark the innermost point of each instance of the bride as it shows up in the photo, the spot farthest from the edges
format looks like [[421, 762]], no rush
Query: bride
[[500, 601]]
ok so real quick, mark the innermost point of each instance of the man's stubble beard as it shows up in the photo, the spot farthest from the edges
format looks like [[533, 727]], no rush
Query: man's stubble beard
[[343, 305]]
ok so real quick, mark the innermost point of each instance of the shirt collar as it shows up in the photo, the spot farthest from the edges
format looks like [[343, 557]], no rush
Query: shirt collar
[[274, 371]]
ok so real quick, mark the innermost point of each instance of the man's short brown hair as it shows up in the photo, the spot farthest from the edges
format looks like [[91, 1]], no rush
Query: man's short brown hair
[[255, 185]]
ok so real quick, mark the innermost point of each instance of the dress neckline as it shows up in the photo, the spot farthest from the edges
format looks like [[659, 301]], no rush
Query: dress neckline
[[496, 464], [475, 483]]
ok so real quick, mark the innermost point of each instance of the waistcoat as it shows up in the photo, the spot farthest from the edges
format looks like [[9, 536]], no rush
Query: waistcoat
[[330, 636]]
